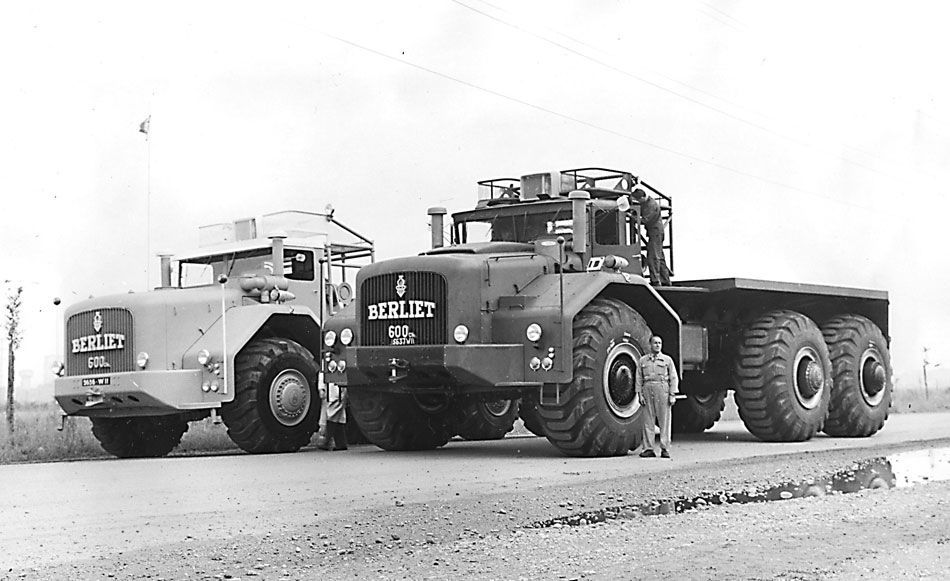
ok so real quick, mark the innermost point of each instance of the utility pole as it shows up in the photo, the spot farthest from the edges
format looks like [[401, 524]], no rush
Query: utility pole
[[927, 364]]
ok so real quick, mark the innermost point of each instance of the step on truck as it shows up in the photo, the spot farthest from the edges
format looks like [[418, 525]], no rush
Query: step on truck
[[234, 331], [539, 307]]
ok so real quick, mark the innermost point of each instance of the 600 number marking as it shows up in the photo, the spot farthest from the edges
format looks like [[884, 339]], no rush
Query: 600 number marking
[[401, 335], [98, 362]]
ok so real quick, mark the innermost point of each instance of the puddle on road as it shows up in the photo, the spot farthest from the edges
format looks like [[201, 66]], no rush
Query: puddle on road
[[899, 470]]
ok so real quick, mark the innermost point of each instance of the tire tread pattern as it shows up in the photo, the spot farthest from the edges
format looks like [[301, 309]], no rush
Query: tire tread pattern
[[395, 421], [849, 414], [139, 437], [248, 417], [580, 425], [475, 422], [691, 416], [764, 379]]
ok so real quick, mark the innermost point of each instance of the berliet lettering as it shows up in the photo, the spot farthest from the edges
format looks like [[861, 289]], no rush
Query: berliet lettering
[[103, 342], [411, 309], [99, 341]]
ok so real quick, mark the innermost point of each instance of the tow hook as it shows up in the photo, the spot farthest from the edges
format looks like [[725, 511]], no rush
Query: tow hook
[[62, 423], [398, 369]]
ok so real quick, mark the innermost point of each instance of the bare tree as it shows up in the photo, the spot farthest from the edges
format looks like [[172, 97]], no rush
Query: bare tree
[[14, 335]]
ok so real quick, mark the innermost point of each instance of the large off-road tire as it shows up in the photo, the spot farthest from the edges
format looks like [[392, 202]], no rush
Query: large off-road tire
[[354, 435], [139, 437], [530, 416], [395, 421], [783, 377], [861, 370], [599, 413], [485, 420], [697, 413], [276, 407]]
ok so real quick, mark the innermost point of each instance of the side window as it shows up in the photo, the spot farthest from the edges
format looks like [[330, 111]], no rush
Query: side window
[[299, 264], [606, 227]]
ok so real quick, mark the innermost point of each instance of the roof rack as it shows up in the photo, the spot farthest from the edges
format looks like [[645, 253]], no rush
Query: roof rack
[[498, 191]]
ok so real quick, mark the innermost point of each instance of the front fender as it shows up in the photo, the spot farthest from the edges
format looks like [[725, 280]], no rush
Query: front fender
[[541, 302], [241, 324]]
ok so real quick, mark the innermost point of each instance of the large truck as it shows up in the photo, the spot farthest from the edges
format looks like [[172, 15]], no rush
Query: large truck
[[540, 307], [234, 332]]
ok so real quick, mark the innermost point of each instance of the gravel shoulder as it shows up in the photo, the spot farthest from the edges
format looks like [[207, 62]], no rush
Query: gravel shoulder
[[898, 533]]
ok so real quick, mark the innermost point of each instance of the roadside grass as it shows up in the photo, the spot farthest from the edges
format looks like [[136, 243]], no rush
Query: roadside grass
[[916, 400], [36, 438]]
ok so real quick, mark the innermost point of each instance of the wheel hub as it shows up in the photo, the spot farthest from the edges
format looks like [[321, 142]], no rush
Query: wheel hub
[[812, 380], [619, 384], [432, 403], [872, 376], [290, 397], [809, 378]]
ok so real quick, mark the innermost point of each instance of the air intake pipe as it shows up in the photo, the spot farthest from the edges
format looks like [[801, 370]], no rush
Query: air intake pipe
[[438, 223], [579, 199]]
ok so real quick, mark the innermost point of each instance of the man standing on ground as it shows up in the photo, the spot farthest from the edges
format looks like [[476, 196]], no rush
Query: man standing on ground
[[332, 434], [651, 218], [657, 385]]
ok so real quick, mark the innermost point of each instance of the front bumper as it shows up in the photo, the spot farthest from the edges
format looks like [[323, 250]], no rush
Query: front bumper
[[460, 367], [135, 393]]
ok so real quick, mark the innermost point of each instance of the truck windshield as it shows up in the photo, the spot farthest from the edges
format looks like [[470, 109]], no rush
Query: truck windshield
[[507, 226], [204, 270]]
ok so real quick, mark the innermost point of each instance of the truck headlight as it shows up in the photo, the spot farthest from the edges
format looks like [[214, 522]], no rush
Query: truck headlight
[[460, 334], [204, 357], [58, 368], [142, 360], [329, 339], [533, 333], [346, 336]]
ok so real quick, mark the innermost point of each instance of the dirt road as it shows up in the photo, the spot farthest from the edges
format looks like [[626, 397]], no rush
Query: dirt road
[[317, 514]]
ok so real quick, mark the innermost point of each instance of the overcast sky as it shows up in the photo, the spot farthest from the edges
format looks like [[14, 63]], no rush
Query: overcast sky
[[800, 141]]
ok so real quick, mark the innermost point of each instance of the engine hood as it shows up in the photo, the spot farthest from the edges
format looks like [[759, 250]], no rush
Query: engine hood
[[161, 323], [173, 297], [483, 248]]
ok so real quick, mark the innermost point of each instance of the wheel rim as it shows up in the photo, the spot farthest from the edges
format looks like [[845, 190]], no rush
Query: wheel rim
[[620, 371], [498, 408], [809, 378], [703, 399], [872, 376], [432, 403], [290, 397]]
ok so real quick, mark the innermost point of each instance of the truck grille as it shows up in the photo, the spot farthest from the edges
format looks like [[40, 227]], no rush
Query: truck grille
[[405, 308], [99, 341]]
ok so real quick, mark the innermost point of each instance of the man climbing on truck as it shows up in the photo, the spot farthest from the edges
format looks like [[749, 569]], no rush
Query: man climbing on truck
[[651, 218]]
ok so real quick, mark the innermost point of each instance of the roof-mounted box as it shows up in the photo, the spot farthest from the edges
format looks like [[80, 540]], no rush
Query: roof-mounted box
[[215, 234], [245, 229], [546, 185]]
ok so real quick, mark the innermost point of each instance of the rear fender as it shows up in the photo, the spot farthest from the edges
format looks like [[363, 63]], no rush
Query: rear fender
[[248, 322]]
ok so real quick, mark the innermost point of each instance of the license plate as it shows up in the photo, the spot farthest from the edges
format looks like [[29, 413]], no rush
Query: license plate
[[95, 381]]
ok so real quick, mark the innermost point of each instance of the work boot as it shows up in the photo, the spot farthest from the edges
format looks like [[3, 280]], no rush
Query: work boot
[[338, 431], [323, 438], [648, 454], [664, 454]]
